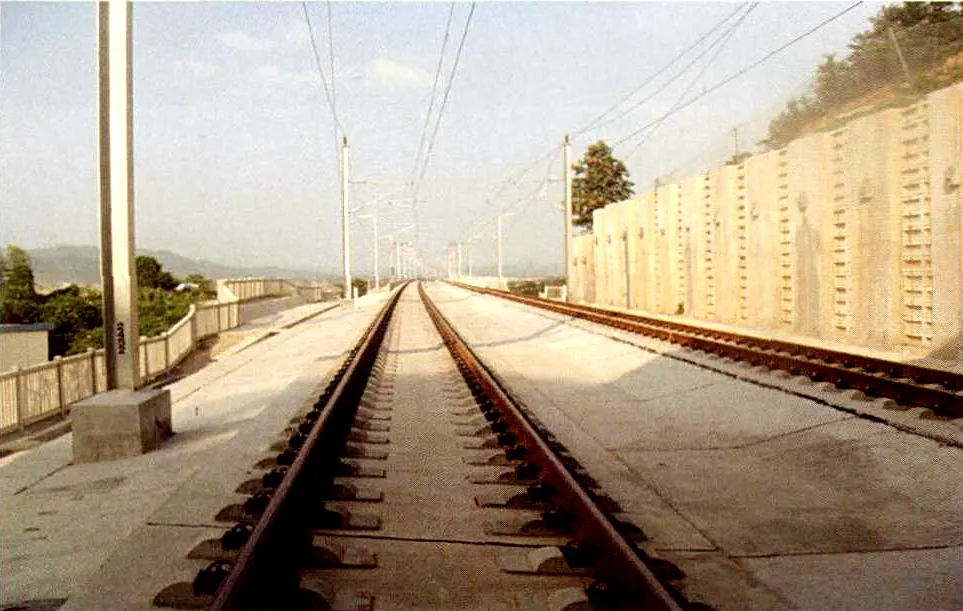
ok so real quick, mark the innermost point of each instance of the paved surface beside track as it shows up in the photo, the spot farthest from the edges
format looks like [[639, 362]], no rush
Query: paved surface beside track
[[92, 533], [765, 499]]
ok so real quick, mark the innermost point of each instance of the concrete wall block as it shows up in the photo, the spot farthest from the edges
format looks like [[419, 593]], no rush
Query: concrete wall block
[[765, 187], [601, 263], [850, 235], [705, 277], [725, 245], [805, 234], [616, 252], [631, 211], [689, 200], [945, 146], [874, 168]]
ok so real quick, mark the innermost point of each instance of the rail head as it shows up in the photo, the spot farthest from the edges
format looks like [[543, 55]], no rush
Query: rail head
[[282, 504], [908, 384], [619, 562]]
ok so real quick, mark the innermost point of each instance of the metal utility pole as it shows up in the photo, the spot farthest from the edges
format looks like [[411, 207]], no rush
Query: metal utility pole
[[567, 161], [459, 259], [498, 244], [117, 258], [374, 220], [398, 260], [471, 273], [345, 238]]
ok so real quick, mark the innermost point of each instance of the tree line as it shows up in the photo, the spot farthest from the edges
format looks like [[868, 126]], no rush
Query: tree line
[[912, 48], [76, 312]]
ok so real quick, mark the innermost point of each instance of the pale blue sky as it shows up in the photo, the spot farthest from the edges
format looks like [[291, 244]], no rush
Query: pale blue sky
[[235, 157]]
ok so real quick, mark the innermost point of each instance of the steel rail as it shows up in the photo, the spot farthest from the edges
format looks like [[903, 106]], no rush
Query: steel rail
[[907, 384], [618, 563], [273, 544]]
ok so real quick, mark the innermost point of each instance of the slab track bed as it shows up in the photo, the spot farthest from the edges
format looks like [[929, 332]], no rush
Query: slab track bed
[[417, 481], [905, 383]]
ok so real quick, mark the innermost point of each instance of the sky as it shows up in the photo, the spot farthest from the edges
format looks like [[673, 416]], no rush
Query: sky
[[235, 149]]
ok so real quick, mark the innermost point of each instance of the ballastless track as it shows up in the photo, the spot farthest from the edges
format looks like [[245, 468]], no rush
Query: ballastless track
[[300, 536], [907, 384]]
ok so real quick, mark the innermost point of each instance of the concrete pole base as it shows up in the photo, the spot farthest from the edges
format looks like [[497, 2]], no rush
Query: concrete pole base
[[120, 423]]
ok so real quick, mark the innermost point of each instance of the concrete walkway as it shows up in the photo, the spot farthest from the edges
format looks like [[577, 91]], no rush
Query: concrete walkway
[[765, 499], [62, 523]]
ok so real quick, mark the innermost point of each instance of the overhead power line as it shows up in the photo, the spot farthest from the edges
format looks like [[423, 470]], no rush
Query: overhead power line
[[317, 60], [598, 121], [434, 89], [741, 72], [334, 83], [719, 45], [444, 101], [516, 178]]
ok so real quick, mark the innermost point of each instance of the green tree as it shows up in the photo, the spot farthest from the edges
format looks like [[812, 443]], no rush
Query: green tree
[[929, 35], [361, 284], [600, 179], [151, 274], [20, 305], [73, 314], [159, 310]]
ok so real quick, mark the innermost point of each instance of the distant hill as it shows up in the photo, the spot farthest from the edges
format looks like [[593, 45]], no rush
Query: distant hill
[[81, 265]]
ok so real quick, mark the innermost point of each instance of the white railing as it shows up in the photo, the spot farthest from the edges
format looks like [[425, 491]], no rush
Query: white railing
[[36, 392], [33, 393], [247, 289]]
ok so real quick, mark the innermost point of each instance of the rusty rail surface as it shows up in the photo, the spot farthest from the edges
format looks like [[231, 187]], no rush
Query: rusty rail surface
[[907, 384], [617, 562], [272, 550]]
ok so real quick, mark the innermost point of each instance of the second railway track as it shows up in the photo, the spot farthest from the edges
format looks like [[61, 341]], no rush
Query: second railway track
[[416, 481], [905, 383]]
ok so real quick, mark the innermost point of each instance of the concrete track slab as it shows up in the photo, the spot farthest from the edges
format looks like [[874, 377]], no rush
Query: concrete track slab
[[702, 459], [432, 548], [846, 486], [890, 581], [437, 576], [61, 521], [142, 565]]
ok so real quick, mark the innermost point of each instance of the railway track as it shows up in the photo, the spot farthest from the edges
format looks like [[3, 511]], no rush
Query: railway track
[[417, 481], [907, 384]]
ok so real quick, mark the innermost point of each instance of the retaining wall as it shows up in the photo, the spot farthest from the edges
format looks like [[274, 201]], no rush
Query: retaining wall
[[851, 235]]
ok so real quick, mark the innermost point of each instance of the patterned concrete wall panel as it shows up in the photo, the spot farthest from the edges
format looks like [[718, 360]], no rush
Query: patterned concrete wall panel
[[659, 252], [616, 250], [764, 186], [668, 197], [726, 298], [805, 235], [689, 199], [874, 172], [631, 211], [740, 239], [601, 262], [946, 249], [584, 248], [645, 247], [704, 284], [674, 235]]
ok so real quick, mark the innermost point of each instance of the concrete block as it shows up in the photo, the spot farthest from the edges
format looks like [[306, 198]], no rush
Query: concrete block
[[120, 423]]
